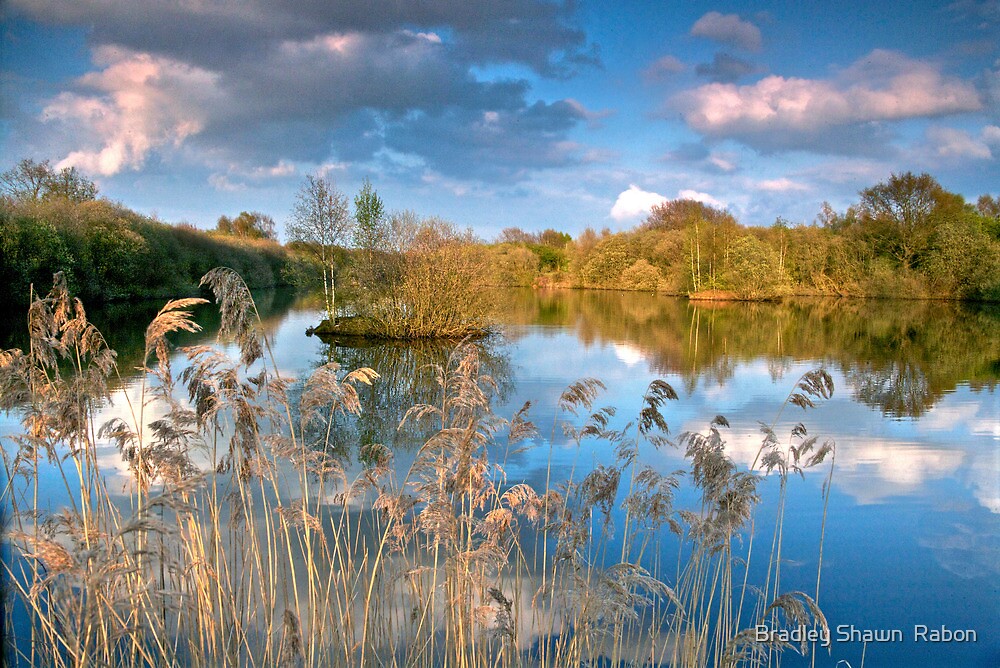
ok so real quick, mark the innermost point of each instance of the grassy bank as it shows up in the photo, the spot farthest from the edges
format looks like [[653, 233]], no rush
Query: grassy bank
[[243, 537], [108, 252]]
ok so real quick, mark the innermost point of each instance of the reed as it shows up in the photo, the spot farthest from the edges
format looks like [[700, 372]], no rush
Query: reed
[[245, 537]]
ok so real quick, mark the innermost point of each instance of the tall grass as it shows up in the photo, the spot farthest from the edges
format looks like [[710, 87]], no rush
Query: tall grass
[[244, 538]]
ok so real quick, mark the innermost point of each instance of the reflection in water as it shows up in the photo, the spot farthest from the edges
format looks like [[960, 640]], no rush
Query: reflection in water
[[407, 378], [900, 357], [912, 496]]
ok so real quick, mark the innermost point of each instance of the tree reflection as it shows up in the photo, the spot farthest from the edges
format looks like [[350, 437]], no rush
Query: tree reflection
[[900, 357], [407, 378]]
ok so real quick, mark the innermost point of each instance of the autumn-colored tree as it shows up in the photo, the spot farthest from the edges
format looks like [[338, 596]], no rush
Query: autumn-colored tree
[[678, 214], [247, 225]]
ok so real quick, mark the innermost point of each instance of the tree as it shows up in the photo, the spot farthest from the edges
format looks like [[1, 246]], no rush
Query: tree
[[641, 276], [515, 235], [753, 271], [31, 181], [320, 221], [606, 263], [70, 184], [371, 230], [554, 238], [247, 225], [678, 214], [989, 206], [898, 214], [26, 181]]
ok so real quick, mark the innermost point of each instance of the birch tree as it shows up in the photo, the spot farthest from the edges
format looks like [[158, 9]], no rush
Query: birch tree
[[320, 221]]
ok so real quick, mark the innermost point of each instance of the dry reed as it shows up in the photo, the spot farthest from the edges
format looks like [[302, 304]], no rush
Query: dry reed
[[244, 540]]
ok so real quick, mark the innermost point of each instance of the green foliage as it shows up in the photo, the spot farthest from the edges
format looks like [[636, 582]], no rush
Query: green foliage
[[549, 246], [549, 258], [108, 252], [753, 271], [963, 260], [513, 265], [606, 263], [907, 237], [371, 233], [898, 217]]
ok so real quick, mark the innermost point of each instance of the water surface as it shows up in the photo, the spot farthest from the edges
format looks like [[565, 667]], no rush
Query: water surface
[[913, 526]]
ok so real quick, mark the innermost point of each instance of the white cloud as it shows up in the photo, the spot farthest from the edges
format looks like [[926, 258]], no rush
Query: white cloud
[[139, 102], [635, 202], [222, 183], [781, 185], [953, 143], [728, 29], [704, 198], [780, 112], [280, 169], [722, 162]]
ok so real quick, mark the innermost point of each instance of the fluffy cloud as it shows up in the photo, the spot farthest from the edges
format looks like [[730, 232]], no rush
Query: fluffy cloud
[[781, 185], [139, 103], [634, 202], [728, 29], [957, 144], [832, 115], [261, 82], [704, 198]]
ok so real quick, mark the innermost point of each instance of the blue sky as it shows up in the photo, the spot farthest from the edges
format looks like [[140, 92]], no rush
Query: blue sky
[[527, 113]]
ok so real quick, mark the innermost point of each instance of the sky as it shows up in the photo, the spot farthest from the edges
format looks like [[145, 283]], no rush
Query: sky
[[527, 113]]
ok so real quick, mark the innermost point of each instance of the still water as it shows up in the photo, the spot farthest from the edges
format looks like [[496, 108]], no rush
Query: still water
[[912, 543]]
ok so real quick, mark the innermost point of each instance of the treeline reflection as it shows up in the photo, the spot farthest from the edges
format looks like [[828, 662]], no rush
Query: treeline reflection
[[408, 377], [899, 356]]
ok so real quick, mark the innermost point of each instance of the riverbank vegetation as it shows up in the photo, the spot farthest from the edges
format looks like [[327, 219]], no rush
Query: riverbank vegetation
[[241, 536], [906, 237], [405, 276], [54, 222]]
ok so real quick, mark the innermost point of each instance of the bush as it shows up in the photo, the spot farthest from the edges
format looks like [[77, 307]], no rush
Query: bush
[[753, 271], [641, 276]]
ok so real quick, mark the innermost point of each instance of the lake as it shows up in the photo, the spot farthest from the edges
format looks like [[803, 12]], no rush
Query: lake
[[911, 548]]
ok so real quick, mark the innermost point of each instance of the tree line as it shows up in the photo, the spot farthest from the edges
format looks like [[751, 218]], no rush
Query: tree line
[[54, 221], [904, 237]]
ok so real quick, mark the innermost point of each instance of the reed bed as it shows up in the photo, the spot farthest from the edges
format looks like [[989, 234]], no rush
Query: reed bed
[[244, 538]]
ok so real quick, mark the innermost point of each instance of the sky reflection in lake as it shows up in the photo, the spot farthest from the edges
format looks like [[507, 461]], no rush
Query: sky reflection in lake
[[913, 532]]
